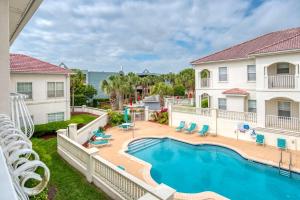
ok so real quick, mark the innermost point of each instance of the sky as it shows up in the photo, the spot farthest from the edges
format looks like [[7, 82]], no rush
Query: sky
[[160, 35]]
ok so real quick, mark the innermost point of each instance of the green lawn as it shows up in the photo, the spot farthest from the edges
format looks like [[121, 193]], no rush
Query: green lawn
[[67, 183], [52, 127]]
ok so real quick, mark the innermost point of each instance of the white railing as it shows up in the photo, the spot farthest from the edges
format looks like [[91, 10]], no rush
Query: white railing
[[114, 181], [184, 109], [205, 82], [240, 116], [281, 122], [22, 162], [20, 114], [91, 110], [203, 111], [281, 81]]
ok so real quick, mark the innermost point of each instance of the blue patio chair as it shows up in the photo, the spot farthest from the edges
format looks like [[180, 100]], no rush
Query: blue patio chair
[[281, 143], [181, 126], [99, 143], [260, 139], [204, 130], [121, 167], [191, 128], [100, 134]]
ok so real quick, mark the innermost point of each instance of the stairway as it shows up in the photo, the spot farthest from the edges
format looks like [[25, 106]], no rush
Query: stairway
[[142, 144]]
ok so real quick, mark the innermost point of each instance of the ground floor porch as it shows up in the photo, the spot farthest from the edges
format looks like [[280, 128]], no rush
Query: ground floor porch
[[115, 153]]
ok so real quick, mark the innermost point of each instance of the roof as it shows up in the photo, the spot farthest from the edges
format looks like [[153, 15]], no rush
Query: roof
[[236, 91], [25, 64], [269, 43]]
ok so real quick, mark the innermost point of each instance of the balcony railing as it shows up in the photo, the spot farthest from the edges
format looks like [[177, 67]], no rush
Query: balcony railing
[[281, 81], [281, 122], [240, 116], [205, 83], [22, 162]]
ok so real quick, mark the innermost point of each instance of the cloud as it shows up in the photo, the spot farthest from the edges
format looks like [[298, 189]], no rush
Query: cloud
[[161, 35]]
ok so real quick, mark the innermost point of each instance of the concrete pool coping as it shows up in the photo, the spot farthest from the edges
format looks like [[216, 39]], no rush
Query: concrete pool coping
[[141, 169]]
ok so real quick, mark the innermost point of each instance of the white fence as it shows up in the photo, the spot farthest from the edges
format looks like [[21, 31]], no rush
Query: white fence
[[281, 122], [117, 183], [239, 116], [281, 81]]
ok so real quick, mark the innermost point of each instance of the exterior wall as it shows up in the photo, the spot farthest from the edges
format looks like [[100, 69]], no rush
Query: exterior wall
[[236, 103], [258, 90], [40, 105], [237, 77]]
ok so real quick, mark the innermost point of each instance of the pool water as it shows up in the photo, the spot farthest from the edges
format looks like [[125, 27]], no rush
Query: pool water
[[196, 168]]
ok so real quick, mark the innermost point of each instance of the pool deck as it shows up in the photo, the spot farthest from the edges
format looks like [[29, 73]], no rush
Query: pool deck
[[115, 152]]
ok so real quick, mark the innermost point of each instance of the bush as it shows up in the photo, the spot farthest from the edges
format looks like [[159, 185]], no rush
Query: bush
[[80, 100], [52, 127], [115, 118], [179, 90], [161, 116], [97, 102], [204, 103]]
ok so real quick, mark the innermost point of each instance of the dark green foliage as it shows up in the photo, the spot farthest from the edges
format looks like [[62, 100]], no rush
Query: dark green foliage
[[204, 103], [115, 118], [52, 127], [179, 90], [79, 100], [161, 117]]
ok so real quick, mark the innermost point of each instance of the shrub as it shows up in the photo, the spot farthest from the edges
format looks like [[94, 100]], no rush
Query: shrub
[[179, 90], [204, 103], [115, 118], [161, 116], [52, 127], [80, 100]]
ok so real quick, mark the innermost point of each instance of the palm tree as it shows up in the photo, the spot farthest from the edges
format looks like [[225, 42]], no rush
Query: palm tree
[[118, 85], [187, 78], [162, 89], [134, 81]]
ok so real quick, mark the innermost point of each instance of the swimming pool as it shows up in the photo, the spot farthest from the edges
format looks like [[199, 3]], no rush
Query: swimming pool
[[198, 168]]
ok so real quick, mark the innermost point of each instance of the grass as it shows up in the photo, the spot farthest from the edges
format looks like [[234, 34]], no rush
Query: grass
[[68, 183], [52, 127]]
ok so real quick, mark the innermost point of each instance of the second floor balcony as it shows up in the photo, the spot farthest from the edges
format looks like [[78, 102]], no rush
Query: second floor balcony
[[281, 76]]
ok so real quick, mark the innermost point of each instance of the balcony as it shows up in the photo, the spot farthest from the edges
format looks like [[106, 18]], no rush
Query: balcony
[[281, 81], [280, 122], [205, 83]]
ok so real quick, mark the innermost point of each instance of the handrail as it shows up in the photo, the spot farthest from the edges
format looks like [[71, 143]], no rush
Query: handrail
[[21, 160], [283, 81]]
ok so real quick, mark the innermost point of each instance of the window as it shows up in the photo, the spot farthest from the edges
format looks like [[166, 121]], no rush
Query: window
[[283, 68], [251, 105], [25, 88], [222, 103], [54, 117], [284, 109], [222, 73], [251, 70], [55, 89]]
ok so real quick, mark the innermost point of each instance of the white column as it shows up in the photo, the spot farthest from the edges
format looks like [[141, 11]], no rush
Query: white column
[[90, 165], [170, 113], [261, 110], [213, 122], [146, 113], [4, 58], [73, 131]]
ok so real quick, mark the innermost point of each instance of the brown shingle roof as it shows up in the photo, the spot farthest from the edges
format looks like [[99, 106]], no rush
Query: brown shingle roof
[[272, 42], [26, 64]]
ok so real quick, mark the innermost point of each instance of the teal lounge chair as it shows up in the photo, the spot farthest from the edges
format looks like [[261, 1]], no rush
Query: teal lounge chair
[[181, 126], [102, 135], [260, 139], [121, 167], [191, 128], [281, 143], [204, 130], [98, 143]]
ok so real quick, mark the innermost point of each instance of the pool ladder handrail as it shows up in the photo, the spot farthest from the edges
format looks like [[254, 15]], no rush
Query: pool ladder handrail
[[287, 171]]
